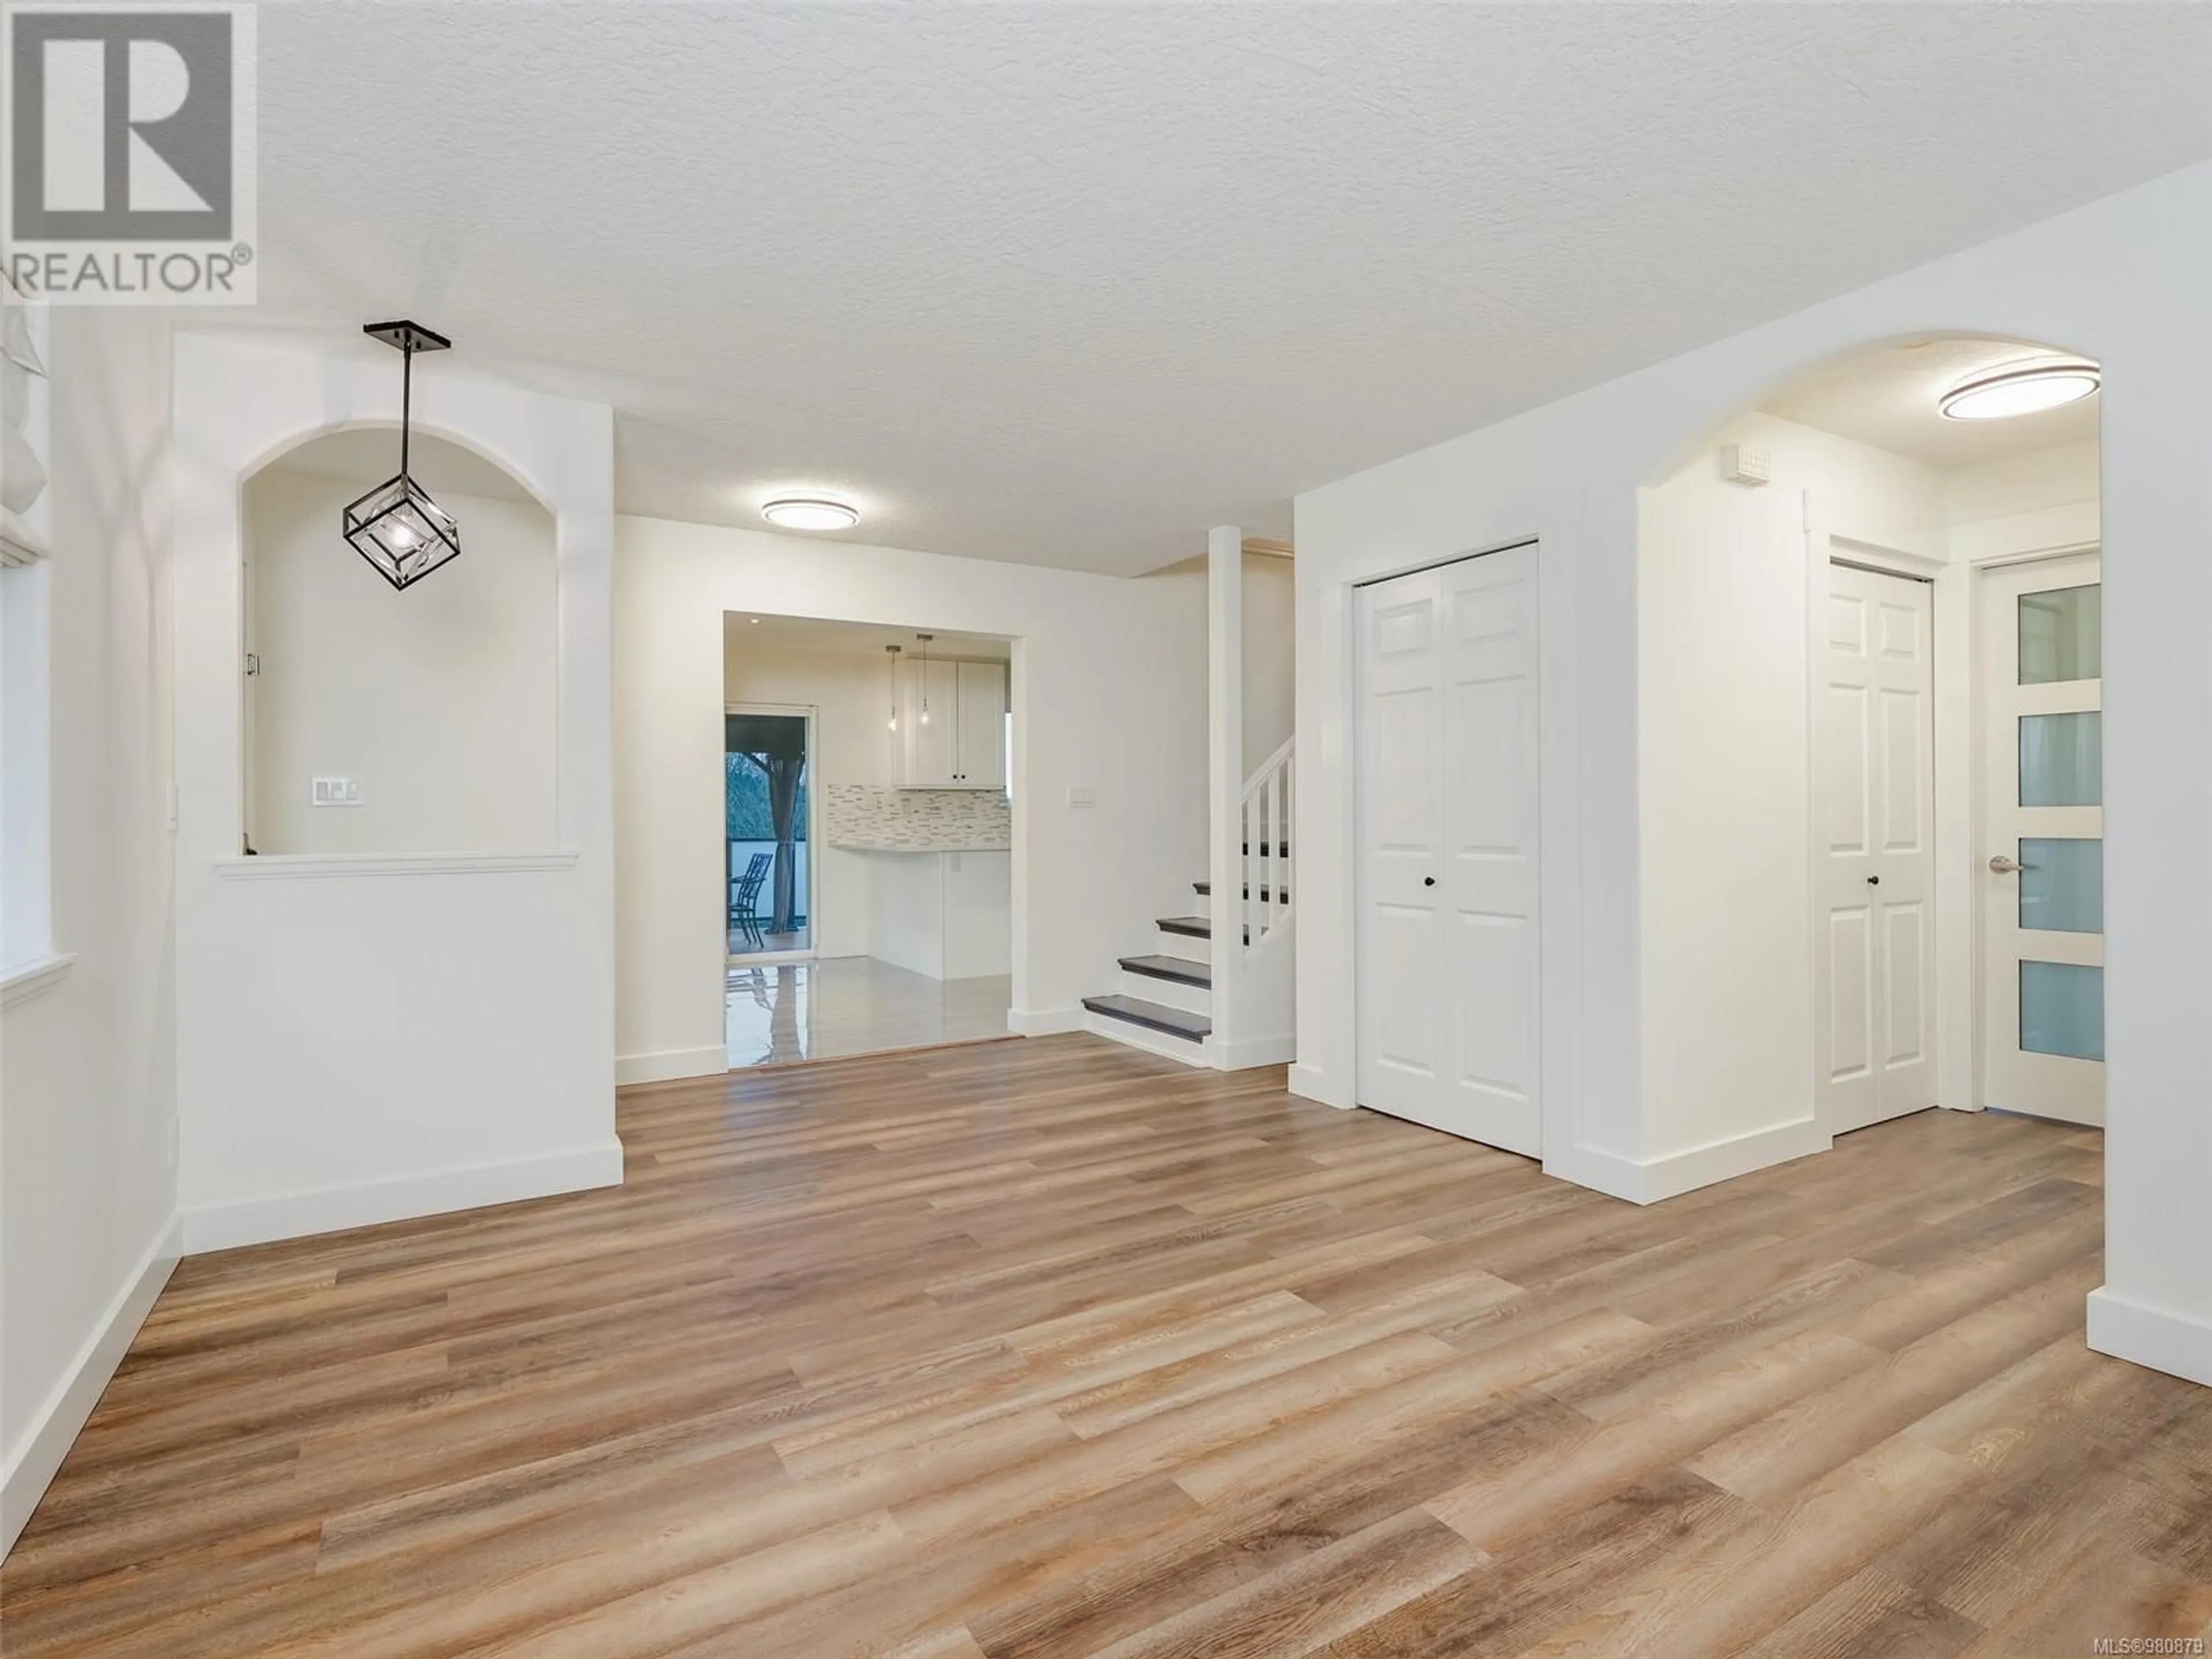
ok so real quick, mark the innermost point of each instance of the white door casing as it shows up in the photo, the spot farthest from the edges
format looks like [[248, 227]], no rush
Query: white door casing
[[1446, 970], [2043, 828], [1874, 850]]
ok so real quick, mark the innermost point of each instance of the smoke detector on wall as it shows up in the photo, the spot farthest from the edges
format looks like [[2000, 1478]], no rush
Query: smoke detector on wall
[[1742, 463]]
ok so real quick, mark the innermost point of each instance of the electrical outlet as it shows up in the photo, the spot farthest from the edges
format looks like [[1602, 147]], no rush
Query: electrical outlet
[[334, 792]]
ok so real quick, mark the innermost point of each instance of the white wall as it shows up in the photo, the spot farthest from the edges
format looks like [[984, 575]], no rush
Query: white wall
[[853, 745], [365, 1038], [2043, 500], [1724, 780], [1270, 636], [2127, 280], [439, 699], [88, 1195], [1109, 686], [1998, 490]]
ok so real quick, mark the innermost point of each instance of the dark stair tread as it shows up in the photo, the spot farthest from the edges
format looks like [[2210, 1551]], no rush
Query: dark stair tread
[[1182, 970], [1153, 1016], [1204, 890], [1193, 926]]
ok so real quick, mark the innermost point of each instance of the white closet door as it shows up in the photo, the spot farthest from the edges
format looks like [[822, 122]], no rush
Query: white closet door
[[1874, 867], [1447, 969]]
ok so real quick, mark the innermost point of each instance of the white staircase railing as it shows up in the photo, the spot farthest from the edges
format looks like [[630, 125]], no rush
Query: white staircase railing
[[1264, 826]]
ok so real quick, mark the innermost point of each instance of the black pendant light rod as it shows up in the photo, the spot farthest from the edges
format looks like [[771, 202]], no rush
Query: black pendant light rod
[[408, 338], [406, 400]]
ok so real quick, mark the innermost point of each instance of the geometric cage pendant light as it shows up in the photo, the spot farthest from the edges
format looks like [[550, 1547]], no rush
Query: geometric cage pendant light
[[396, 527]]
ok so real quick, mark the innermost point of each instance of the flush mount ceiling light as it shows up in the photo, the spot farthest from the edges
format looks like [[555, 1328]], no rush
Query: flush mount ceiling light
[[397, 527], [2020, 388], [810, 512]]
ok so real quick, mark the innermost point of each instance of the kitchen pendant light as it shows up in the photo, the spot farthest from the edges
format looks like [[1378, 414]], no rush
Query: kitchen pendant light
[[396, 527], [924, 639], [894, 660], [2021, 388]]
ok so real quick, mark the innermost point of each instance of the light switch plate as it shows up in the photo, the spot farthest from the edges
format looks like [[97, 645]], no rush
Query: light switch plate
[[334, 792]]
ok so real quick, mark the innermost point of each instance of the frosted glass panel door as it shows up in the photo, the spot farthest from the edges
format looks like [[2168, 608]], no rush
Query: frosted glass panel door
[[1874, 966], [2043, 816]]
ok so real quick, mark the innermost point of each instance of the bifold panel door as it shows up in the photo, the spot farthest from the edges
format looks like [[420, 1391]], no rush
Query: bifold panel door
[[1446, 969], [1874, 850]]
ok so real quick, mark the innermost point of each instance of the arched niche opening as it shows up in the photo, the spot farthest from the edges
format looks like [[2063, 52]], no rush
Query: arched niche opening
[[1868, 696], [433, 708]]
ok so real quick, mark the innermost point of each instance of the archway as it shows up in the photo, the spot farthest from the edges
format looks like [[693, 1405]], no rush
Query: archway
[[374, 721], [1837, 699]]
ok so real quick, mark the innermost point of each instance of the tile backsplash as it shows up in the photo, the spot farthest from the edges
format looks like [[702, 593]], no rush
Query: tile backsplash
[[916, 820]]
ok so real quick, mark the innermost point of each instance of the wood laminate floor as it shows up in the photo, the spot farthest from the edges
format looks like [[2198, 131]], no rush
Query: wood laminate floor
[[1053, 1348]]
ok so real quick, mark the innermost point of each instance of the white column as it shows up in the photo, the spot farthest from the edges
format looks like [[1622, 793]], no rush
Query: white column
[[2155, 1305], [1224, 679]]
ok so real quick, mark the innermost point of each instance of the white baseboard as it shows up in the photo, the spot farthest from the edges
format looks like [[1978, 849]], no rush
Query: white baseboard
[[1648, 1180], [333, 1209], [2165, 1341], [31, 1467], [1045, 1022], [1256, 1051], [1311, 1082], [1601, 1172], [1179, 1049], [670, 1063]]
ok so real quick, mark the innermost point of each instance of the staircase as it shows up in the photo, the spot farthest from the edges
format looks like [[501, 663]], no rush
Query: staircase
[[1164, 1000], [1216, 987]]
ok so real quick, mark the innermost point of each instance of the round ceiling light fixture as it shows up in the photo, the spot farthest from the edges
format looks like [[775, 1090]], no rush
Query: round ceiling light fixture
[[810, 512], [2021, 388]]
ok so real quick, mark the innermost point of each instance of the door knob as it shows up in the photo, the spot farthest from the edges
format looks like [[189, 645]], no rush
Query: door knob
[[1428, 881], [1874, 881], [2002, 866]]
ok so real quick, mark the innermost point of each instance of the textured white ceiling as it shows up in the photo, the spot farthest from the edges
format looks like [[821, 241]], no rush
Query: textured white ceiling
[[1888, 398], [1068, 283]]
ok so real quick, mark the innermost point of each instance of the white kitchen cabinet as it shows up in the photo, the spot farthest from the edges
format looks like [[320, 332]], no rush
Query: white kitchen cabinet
[[953, 726], [983, 726], [929, 725], [945, 914]]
